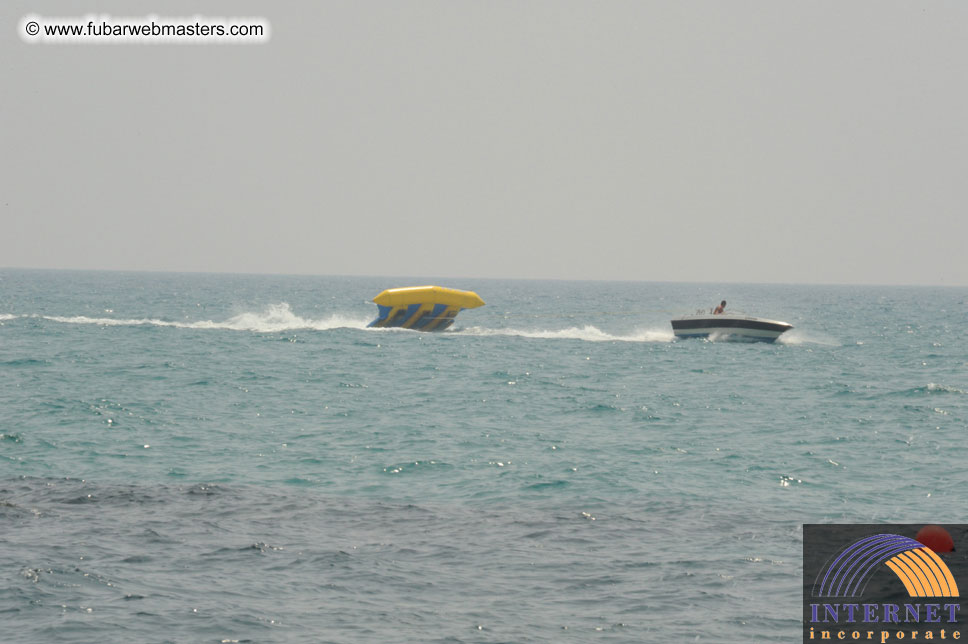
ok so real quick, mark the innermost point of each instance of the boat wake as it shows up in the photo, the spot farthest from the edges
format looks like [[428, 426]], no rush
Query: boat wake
[[798, 337], [279, 317], [587, 333], [274, 318]]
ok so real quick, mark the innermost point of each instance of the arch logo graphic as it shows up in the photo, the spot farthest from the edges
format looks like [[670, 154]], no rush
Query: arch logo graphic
[[921, 571]]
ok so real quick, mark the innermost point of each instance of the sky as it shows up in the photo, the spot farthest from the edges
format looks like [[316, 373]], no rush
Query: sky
[[694, 140]]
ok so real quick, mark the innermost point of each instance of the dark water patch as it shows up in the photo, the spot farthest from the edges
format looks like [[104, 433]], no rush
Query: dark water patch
[[67, 492], [206, 490], [414, 467], [114, 495], [539, 534], [254, 376], [842, 389], [301, 481], [137, 559], [329, 564], [918, 409], [89, 498], [544, 486], [9, 510], [603, 408], [25, 362]]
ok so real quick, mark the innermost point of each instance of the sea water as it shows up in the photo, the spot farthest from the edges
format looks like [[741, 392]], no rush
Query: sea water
[[219, 458]]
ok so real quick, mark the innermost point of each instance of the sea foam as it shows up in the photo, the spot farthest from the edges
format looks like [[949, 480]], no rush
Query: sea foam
[[588, 333], [274, 318]]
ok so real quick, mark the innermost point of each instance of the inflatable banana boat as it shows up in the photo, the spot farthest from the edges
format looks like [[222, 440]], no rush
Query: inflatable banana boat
[[422, 308]]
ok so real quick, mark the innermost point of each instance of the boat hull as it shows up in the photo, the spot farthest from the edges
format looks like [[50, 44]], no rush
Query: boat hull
[[730, 328]]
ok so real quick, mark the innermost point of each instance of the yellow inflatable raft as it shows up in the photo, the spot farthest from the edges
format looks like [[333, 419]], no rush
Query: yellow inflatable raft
[[423, 308]]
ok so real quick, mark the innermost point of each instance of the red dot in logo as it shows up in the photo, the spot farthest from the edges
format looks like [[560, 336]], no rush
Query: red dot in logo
[[936, 538]]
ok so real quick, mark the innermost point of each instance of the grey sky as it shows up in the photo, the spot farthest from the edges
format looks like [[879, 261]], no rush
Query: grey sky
[[687, 141]]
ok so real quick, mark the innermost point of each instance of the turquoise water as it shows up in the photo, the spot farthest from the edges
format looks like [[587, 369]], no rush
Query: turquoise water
[[208, 458]]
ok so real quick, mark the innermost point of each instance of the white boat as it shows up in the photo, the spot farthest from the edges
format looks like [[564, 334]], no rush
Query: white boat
[[728, 326]]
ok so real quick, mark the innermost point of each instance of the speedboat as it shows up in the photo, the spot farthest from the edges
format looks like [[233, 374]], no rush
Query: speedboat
[[728, 326], [422, 308]]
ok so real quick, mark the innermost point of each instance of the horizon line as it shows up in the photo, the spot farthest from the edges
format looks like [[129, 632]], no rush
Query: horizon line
[[443, 277]]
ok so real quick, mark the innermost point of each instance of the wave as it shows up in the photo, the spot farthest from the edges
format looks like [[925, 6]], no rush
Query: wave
[[274, 318], [587, 333], [929, 389], [796, 337], [936, 388]]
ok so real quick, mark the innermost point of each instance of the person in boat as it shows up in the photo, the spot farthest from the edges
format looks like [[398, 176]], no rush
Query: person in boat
[[719, 309]]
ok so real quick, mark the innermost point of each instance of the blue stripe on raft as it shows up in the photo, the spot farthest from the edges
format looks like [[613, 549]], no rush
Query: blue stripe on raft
[[381, 315], [430, 316], [410, 312], [397, 318]]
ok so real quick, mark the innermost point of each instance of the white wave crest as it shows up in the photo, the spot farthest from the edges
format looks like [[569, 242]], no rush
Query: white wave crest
[[945, 388], [796, 337], [587, 333], [7, 316], [275, 318]]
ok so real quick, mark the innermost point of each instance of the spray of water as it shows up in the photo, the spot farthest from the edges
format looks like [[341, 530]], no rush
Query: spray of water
[[587, 333], [274, 318], [796, 337]]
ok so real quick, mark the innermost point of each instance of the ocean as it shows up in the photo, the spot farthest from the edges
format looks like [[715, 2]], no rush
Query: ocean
[[236, 458]]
